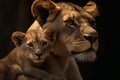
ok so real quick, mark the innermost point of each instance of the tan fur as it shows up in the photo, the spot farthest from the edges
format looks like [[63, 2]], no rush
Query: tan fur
[[76, 36], [75, 27], [30, 57]]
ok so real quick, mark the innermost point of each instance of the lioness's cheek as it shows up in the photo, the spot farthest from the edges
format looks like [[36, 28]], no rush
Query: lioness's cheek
[[95, 45]]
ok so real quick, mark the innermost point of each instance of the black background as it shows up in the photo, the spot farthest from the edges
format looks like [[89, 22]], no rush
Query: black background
[[15, 15]]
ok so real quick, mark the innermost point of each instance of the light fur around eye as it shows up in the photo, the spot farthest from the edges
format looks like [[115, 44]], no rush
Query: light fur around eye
[[30, 45]]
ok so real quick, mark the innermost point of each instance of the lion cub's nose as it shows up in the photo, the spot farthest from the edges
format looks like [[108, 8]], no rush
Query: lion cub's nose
[[38, 52], [90, 34]]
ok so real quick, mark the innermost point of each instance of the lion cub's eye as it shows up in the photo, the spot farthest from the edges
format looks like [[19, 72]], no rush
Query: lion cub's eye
[[69, 23], [44, 43], [30, 44]]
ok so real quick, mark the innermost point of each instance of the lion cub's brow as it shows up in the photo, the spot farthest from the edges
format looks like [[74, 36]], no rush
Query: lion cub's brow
[[35, 36]]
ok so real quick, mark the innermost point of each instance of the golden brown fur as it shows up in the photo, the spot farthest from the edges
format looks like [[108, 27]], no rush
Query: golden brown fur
[[70, 19], [30, 57], [75, 36]]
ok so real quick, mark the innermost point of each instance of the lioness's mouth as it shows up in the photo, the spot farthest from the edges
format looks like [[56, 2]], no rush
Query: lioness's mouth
[[88, 50]]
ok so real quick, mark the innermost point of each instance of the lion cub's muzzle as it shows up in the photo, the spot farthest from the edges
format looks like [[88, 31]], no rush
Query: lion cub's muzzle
[[38, 52]]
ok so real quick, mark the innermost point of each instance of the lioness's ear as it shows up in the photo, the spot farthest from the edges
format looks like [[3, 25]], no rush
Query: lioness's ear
[[91, 8], [34, 8], [39, 7], [17, 38], [47, 4], [51, 34]]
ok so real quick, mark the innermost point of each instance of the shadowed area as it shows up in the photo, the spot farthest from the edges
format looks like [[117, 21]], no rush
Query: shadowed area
[[16, 15]]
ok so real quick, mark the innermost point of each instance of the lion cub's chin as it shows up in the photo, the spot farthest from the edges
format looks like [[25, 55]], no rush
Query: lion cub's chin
[[38, 61]]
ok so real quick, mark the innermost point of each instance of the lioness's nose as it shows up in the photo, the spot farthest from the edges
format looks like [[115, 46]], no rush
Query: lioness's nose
[[90, 34]]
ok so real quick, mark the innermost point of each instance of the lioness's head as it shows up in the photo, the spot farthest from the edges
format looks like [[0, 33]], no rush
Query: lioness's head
[[75, 26], [34, 44]]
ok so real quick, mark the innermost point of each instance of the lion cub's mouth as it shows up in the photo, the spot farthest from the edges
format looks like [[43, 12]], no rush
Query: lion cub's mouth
[[38, 61]]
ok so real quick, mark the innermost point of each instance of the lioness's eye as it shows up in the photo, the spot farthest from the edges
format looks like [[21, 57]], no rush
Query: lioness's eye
[[69, 22], [92, 22], [30, 44]]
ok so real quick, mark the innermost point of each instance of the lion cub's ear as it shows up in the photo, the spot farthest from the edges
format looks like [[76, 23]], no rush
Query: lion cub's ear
[[17, 38], [91, 8]]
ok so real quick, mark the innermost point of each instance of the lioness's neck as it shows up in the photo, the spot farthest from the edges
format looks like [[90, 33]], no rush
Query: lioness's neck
[[60, 50]]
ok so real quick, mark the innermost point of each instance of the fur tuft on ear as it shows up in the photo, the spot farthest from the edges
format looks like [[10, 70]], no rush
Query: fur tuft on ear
[[47, 4], [42, 8], [91, 8], [34, 6], [17, 38]]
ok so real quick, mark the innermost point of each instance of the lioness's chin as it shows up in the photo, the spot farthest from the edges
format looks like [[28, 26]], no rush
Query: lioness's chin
[[89, 55]]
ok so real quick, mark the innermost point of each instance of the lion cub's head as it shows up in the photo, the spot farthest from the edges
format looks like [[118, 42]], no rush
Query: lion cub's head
[[35, 44]]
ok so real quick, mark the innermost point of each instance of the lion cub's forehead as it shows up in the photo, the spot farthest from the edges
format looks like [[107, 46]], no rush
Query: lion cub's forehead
[[34, 35]]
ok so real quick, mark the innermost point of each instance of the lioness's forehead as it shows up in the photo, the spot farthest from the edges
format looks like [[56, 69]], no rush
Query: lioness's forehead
[[71, 10], [70, 14]]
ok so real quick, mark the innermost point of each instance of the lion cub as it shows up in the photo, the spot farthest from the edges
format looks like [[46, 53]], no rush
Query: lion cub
[[30, 57]]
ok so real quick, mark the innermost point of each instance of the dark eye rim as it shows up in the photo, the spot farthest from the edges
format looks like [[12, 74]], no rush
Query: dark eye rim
[[44, 43], [30, 45], [69, 22], [93, 22]]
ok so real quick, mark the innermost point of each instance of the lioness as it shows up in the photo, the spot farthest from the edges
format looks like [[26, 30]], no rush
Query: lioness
[[30, 57], [74, 25]]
